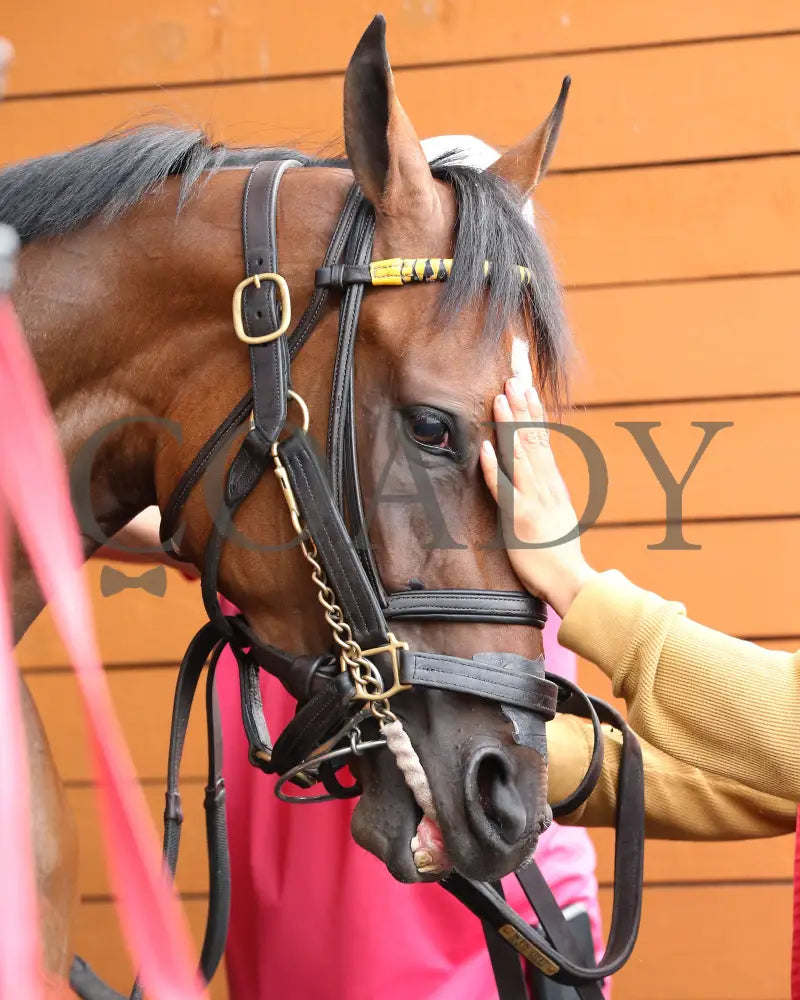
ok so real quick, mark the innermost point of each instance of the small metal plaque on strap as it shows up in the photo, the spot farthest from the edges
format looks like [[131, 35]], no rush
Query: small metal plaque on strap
[[528, 950]]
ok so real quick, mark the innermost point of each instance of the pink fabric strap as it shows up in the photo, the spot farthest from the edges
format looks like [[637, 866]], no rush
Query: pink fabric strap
[[34, 488]]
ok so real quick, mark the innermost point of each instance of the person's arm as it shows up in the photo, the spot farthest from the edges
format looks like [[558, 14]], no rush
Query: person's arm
[[682, 802], [139, 542], [723, 705], [727, 706]]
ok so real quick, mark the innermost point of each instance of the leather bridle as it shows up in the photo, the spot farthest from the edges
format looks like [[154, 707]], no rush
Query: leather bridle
[[339, 691]]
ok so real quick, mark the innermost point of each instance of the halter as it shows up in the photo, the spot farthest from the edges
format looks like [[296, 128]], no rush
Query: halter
[[339, 691]]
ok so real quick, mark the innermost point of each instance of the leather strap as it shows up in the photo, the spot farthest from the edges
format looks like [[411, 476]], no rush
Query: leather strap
[[506, 963], [555, 925], [195, 471], [492, 606], [241, 411], [573, 701], [269, 363], [321, 716], [325, 525], [205, 641], [344, 226], [502, 677], [360, 249], [342, 275]]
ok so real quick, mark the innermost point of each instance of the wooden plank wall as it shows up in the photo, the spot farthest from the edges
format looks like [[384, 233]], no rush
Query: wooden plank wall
[[674, 211]]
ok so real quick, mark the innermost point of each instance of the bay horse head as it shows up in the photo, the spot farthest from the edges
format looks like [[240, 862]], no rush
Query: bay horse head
[[130, 324]]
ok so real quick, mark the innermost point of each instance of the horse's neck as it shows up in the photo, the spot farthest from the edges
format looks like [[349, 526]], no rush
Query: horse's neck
[[118, 318], [130, 327]]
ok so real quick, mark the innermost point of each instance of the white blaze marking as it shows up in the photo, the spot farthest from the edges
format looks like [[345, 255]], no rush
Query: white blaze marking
[[521, 361]]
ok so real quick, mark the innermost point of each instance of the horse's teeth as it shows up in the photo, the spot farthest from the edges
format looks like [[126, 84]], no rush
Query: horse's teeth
[[428, 869], [415, 843], [422, 859]]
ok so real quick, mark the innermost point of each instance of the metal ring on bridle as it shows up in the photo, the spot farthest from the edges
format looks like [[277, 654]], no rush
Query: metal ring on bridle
[[358, 750], [303, 410]]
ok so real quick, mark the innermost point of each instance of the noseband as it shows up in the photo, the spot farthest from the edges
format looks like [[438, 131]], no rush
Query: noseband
[[354, 683]]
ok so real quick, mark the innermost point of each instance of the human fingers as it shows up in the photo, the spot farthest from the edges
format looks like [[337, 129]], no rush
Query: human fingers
[[512, 452]]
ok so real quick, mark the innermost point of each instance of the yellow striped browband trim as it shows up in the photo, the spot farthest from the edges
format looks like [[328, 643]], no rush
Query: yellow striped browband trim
[[411, 270]]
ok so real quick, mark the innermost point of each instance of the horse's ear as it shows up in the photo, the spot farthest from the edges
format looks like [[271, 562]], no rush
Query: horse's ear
[[382, 146], [526, 164]]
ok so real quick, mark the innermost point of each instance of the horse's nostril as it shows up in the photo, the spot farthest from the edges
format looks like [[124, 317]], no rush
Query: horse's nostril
[[496, 796]]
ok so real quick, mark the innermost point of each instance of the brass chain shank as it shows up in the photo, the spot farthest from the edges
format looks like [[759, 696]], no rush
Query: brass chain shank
[[366, 677]]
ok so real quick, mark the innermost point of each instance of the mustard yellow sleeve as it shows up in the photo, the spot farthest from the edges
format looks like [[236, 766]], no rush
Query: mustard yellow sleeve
[[682, 802], [724, 706]]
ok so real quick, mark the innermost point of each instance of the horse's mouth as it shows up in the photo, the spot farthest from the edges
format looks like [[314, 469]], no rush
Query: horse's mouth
[[388, 823], [428, 849]]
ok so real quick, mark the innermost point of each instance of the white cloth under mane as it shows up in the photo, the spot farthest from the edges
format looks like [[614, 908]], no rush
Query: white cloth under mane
[[473, 152]]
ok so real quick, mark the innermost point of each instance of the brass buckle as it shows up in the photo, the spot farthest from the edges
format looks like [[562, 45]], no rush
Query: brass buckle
[[362, 692], [286, 307]]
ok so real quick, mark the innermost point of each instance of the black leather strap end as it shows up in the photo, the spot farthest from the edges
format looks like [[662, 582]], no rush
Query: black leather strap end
[[246, 469], [255, 725]]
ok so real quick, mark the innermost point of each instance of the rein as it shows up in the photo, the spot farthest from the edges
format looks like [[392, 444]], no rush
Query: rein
[[353, 686]]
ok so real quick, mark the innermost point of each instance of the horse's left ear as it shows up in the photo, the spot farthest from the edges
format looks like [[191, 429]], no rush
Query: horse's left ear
[[382, 146], [526, 164]]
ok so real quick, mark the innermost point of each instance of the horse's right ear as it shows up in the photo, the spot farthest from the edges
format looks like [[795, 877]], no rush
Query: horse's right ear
[[526, 164], [382, 146]]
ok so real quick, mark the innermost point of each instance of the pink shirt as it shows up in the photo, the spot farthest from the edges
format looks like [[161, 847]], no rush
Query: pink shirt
[[315, 917]]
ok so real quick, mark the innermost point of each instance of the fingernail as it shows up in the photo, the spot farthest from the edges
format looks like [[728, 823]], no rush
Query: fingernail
[[503, 404], [530, 392], [514, 387], [486, 448]]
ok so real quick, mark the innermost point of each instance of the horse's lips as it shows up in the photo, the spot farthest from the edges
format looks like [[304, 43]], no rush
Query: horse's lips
[[427, 847]]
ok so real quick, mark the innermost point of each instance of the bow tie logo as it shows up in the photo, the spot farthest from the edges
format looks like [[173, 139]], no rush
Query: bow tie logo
[[112, 581]]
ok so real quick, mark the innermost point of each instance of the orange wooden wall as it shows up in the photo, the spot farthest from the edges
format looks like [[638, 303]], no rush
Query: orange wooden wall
[[674, 210]]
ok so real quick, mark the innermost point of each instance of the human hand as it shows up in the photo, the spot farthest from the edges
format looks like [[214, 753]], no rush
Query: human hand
[[536, 507]]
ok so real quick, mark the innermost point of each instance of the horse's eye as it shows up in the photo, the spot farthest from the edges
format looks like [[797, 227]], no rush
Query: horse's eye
[[429, 429]]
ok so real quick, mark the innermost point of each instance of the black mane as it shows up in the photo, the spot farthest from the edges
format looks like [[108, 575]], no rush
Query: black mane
[[57, 194], [54, 195]]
